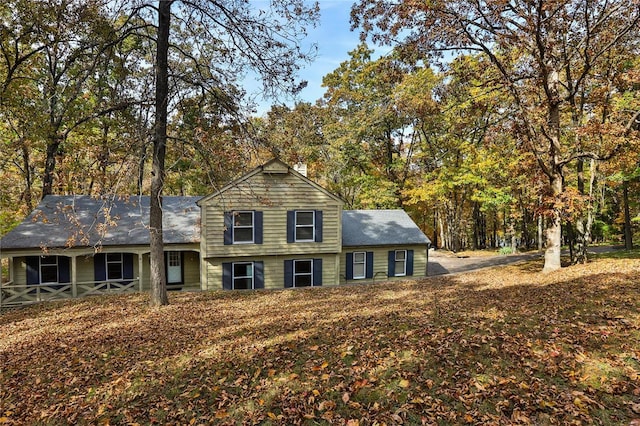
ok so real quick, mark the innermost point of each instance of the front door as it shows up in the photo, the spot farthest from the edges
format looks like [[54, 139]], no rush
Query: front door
[[174, 267]]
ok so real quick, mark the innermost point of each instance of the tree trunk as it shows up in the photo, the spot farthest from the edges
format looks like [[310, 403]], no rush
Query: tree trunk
[[50, 165], [158, 276], [553, 233], [628, 236]]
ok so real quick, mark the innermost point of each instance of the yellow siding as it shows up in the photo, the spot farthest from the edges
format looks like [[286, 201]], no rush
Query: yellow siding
[[274, 195], [273, 270], [380, 263]]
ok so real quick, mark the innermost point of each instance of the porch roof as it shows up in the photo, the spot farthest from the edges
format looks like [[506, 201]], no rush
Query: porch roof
[[81, 220]]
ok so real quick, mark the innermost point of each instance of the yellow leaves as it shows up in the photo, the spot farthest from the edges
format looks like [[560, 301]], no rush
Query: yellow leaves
[[404, 383]]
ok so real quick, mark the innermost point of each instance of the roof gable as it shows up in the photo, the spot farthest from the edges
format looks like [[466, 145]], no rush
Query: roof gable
[[273, 167]]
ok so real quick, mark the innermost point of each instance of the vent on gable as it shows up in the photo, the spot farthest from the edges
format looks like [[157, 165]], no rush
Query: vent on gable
[[301, 168]]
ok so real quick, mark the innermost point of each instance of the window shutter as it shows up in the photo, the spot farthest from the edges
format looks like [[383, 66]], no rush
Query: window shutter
[[258, 274], [99, 267], [228, 228], [127, 265], [33, 270], [349, 265], [369, 273], [64, 272], [391, 266], [257, 227], [318, 226], [409, 262], [291, 226], [226, 275], [317, 272], [288, 273]]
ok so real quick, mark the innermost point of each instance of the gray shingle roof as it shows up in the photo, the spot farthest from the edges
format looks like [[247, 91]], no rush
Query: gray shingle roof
[[380, 227], [86, 221]]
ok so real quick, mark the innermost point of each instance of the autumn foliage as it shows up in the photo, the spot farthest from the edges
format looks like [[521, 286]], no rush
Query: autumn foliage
[[502, 346]]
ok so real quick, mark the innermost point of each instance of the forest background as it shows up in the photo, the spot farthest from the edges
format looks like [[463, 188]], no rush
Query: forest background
[[461, 141]]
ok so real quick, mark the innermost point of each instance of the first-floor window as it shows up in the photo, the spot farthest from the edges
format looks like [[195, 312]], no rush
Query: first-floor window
[[359, 265], [401, 263], [114, 266], [242, 276], [303, 273], [49, 269]]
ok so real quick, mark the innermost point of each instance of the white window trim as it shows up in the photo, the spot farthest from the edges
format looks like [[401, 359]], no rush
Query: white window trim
[[234, 226], [404, 263], [363, 263], [106, 266], [310, 274], [40, 258], [312, 225], [252, 276]]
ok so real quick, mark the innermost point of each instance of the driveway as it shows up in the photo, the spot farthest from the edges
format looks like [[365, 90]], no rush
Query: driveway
[[441, 262]]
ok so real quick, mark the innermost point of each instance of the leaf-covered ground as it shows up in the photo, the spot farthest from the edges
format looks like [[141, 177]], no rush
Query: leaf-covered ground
[[503, 346]]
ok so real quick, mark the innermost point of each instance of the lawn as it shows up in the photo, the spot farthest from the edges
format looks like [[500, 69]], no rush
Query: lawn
[[502, 346]]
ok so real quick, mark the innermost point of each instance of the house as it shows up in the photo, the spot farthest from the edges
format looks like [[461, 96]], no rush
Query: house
[[271, 228]]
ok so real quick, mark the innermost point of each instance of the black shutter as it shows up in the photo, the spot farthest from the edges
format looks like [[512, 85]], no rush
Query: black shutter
[[409, 262], [258, 271], [226, 276], [391, 266], [318, 226], [317, 272], [127, 265], [349, 265], [257, 227], [228, 228], [64, 272], [291, 226], [33, 269], [99, 267], [288, 273], [369, 273]]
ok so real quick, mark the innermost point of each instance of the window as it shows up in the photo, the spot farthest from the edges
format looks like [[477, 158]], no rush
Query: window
[[302, 273], [305, 226], [243, 227], [359, 265], [242, 276], [49, 269], [114, 266], [401, 263]]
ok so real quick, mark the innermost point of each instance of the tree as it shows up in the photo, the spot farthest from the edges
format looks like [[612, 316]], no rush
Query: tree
[[225, 37], [544, 52]]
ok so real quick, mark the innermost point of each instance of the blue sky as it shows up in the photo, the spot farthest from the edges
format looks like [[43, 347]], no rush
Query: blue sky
[[334, 40]]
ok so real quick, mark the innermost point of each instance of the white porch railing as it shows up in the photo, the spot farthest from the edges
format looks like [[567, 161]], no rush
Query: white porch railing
[[20, 294]]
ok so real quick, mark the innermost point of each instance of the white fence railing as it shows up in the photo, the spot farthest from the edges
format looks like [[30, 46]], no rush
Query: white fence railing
[[20, 294]]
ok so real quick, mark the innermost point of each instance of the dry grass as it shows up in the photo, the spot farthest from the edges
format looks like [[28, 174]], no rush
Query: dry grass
[[503, 346]]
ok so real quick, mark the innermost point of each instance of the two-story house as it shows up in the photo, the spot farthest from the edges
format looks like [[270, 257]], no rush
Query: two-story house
[[271, 228]]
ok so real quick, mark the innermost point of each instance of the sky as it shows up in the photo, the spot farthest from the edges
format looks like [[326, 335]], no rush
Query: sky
[[334, 40]]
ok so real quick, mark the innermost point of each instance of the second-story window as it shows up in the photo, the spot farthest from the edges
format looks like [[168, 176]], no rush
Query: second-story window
[[305, 225], [243, 227]]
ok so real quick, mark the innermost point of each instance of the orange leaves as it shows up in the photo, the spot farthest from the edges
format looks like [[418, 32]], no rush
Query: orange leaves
[[504, 345]]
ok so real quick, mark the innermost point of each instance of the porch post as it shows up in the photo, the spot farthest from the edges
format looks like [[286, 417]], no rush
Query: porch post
[[140, 269], [74, 277]]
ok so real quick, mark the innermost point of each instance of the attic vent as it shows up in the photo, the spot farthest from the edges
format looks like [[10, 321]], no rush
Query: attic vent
[[301, 168]]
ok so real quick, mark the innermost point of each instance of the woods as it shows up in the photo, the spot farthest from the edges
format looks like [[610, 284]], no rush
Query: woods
[[494, 124]]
